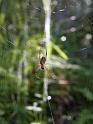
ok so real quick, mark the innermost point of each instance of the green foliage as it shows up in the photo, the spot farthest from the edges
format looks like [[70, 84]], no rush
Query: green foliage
[[70, 72]]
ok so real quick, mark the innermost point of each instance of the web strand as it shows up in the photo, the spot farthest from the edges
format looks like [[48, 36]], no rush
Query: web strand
[[5, 30], [51, 111]]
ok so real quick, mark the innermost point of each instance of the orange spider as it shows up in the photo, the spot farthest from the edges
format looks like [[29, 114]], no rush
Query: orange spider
[[42, 61]]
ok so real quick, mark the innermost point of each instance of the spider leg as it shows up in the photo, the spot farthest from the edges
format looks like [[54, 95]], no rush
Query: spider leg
[[46, 53], [39, 54], [38, 67]]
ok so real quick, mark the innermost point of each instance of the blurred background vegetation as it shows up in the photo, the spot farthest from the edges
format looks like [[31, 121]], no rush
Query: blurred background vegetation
[[69, 69]]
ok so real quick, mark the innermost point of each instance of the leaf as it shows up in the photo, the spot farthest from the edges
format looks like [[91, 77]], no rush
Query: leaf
[[60, 52], [1, 112], [86, 92], [84, 116]]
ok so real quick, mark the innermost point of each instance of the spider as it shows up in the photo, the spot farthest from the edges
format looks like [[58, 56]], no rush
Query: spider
[[42, 61]]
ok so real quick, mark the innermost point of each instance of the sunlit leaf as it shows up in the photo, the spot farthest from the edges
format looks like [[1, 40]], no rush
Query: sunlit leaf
[[60, 52]]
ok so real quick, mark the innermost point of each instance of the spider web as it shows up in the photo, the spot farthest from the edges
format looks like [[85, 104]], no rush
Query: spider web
[[69, 11]]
